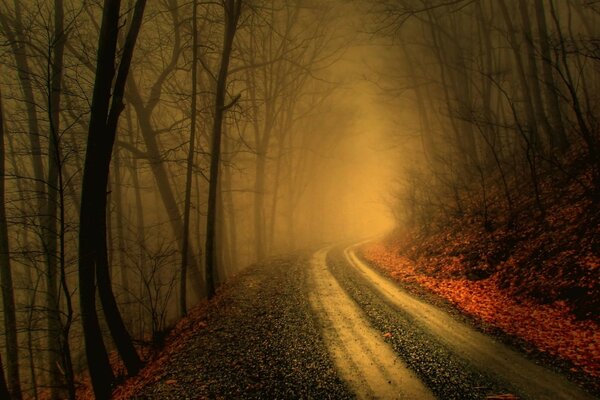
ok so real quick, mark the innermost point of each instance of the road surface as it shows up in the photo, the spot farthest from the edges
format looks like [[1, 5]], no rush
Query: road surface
[[325, 325]]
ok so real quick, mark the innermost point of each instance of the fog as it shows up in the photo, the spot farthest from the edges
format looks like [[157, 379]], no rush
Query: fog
[[232, 132]]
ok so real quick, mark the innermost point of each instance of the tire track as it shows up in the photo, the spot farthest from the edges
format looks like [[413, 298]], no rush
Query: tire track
[[363, 359]]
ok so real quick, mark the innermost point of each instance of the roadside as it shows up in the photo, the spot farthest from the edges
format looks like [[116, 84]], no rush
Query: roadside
[[482, 352], [549, 332]]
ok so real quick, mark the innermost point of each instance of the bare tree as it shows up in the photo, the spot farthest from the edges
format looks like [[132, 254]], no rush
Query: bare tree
[[92, 231], [6, 283], [232, 11], [190, 163]]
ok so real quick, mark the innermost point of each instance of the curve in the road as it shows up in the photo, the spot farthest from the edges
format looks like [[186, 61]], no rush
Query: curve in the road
[[364, 360], [484, 353]]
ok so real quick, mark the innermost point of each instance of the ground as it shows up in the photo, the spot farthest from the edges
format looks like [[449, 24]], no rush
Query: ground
[[323, 324], [552, 328]]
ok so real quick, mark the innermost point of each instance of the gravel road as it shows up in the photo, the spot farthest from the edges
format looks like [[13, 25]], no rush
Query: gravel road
[[455, 360], [325, 326], [262, 342]]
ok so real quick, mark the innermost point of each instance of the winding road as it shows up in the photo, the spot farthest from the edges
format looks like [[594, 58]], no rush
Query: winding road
[[348, 332], [325, 325]]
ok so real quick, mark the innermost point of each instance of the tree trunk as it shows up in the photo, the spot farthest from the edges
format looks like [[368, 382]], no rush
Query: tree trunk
[[232, 9], [17, 41], [50, 229], [230, 217], [259, 207], [112, 315], [224, 250], [120, 217], [92, 228], [6, 283], [4, 393], [113, 318], [190, 164], [93, 198]]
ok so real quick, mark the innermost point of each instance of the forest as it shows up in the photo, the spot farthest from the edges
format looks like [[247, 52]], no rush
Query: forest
[[150, 151]]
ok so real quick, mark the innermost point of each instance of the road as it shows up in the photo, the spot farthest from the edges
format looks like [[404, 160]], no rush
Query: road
[[344, 318], [325, 325]]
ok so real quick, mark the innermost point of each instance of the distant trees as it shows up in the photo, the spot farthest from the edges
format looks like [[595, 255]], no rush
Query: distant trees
[[494, 90], [283, 50]]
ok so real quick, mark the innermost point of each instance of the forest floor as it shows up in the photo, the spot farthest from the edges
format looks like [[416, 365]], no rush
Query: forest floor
[[328, 326], [549, 329]]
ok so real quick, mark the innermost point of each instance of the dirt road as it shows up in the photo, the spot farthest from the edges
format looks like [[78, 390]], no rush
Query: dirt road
[[325, 325], [364, 360], [506, 368]]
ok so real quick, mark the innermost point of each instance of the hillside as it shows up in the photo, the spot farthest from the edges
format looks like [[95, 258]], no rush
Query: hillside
[[536, 281]]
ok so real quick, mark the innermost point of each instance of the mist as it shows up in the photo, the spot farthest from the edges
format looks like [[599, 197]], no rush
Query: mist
[[152, 151]]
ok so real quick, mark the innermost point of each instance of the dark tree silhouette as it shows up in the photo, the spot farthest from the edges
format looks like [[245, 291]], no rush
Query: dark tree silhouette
[[4, 393], [6, 285], [232, 10], [92, 231]]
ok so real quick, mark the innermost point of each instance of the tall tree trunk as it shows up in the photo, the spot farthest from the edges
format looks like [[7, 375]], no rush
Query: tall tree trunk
[[4, 393], [190, 165], [112, 314], [427, 138], [17, 41], [120, 217], [6, 283], [446, 83], [228, 204], [113, 318], [50, 228], [259, 206], [92, 228], [271, 234], [489, 132], [224, 250], [93, 198], [232, 9], [29, 326], [287, 119], [48, 219]]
